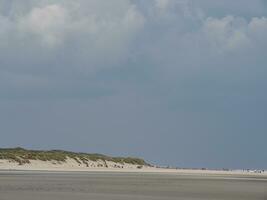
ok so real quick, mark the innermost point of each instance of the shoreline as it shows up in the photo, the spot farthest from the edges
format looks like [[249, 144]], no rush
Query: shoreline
[[19, 159], [238, 173], [71, 165]]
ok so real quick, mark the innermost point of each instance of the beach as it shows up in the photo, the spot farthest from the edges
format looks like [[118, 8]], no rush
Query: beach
[[101, 180], [31, 185], [71, 165]]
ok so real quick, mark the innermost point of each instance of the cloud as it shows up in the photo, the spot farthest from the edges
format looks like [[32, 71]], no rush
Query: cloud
[[235, 32], [226, 33], [208, 37], [91, 33], [47, 23], [57, 43], [162, 4], [66, 42], [257, 29]]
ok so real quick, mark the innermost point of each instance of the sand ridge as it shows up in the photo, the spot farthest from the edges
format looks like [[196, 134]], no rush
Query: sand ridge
[[109, 166]]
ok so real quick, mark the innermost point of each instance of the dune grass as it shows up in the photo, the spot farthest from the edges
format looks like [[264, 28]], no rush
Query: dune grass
[[23, 156]]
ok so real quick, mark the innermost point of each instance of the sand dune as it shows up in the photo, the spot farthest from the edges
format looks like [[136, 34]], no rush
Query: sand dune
[[109, 166], [69, 165]]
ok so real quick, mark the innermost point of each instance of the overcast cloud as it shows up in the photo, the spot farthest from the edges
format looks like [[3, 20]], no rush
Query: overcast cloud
[[179, 82]]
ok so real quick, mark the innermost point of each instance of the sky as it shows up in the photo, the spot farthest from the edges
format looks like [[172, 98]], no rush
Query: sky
[[177, 82]]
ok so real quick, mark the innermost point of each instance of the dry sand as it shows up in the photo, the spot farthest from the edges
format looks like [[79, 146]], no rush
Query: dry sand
[[72, 165]]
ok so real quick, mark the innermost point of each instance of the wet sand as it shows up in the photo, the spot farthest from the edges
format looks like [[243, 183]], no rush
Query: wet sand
[[129, 186]]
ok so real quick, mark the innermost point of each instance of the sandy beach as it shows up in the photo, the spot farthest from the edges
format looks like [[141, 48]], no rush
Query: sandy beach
[[101, 180], [43, 185], [70, 165]]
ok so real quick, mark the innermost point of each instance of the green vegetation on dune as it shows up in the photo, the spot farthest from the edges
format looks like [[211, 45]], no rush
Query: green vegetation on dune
[[23, 156]]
